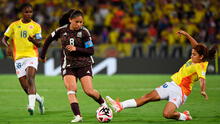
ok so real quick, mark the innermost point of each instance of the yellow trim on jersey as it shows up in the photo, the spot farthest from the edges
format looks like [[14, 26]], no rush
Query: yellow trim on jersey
[[188, 74], [19, 32]]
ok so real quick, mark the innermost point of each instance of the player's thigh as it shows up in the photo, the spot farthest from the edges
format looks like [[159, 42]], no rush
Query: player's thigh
[[163, 91], [86, 82], [85, 76], [70, 82]]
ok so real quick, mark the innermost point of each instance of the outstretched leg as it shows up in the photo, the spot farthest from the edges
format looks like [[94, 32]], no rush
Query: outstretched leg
[[133, 103]]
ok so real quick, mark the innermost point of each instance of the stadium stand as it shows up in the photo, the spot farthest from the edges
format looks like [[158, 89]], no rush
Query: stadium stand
[[129, 28]]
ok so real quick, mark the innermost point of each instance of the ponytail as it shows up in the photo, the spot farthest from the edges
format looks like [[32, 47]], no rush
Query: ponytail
[[211, 52], [65, 18]]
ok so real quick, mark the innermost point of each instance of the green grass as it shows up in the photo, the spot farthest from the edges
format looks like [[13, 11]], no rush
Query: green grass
[[13, 100]]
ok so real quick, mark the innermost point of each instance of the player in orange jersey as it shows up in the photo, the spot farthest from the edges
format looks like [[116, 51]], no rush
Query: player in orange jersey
[[25, 35], [176, 91]]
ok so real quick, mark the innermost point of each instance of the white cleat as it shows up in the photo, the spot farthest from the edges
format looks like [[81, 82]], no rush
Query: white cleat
[[188, 116], [30, 110], [115, 105], [77, 118], [41, 106]]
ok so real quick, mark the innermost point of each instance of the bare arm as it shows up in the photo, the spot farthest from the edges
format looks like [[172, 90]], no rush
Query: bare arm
[[4, 41], [203, 88], [6, 44], [192, 41], [47, 43], [36, 42]]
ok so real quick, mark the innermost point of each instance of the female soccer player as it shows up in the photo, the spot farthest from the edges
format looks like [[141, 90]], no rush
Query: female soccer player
[[26, 36], [176, 91], [76, 59]]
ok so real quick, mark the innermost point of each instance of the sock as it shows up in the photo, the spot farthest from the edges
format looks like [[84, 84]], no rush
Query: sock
[[100, 100], [31, 99], [182, 117], [38, 98], [104, 103], [75, 108], [131, 103]]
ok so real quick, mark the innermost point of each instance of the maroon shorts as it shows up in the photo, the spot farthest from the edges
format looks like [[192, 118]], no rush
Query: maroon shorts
[[78, 72]]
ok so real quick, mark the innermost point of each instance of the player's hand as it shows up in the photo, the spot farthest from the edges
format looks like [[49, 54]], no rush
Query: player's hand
[[203, 93], [181, 32], [71, 48], [9, 51], [31, 39]]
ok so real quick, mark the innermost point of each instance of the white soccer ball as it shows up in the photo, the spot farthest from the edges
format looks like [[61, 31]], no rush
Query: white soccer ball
[[104, 114]]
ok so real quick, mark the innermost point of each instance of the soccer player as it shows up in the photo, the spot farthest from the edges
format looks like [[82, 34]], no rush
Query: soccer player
[[76, 59], [25, 35], [176, 91]]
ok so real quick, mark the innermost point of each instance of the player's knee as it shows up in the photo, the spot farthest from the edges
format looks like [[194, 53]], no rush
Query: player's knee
[[71, 92], [30, 79], [167, 115]]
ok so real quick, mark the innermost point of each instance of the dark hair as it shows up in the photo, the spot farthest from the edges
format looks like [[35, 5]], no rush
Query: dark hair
[[208, 54], [24, 5], [76, 13], [65, 18]]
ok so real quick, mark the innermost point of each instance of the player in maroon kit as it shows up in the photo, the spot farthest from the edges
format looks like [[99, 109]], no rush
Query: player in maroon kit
[[76, 58]]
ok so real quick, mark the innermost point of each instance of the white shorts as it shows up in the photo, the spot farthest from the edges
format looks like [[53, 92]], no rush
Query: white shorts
[[171, 92], [22, 64]]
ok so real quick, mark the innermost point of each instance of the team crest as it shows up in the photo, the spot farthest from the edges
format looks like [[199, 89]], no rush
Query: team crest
[[31, 27], [65, 34], [79, 34]]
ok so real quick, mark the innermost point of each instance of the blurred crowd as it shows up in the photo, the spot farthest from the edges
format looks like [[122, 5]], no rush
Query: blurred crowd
[[129, 28]]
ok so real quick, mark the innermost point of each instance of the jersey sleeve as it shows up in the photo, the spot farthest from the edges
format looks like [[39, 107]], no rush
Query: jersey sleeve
[[87, 39], [53, 36], [10, 30], [38, 32], [201, 69], [88, 44]]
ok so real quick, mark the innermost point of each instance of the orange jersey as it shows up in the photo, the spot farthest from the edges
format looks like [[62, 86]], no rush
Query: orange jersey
[[19, 33], [188, 74]]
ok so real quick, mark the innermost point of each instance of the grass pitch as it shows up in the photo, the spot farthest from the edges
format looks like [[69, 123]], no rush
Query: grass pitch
[[13, 101]]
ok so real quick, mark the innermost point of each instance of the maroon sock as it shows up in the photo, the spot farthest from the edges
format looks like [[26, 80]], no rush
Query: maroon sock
[[100, 100], [75, 108]]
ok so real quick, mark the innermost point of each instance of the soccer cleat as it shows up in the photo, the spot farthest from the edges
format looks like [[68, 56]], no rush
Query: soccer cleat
[[31, 111], [41, 106], [115, 105], [77, 118], [188, 116]]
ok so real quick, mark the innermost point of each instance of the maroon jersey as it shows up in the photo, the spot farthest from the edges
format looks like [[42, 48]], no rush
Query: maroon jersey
[[81, 39]]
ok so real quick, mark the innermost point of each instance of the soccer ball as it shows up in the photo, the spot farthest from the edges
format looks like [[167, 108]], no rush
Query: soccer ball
[[104, 114]]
